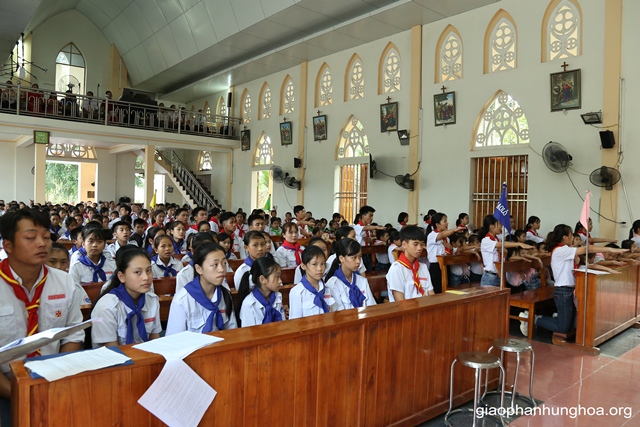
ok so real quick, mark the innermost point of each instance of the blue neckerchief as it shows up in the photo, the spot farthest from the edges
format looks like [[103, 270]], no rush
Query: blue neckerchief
[[318, 296], [194, 288], [189, 254], [191, 263], [98, 273], [249, 261], [73, 249], [269, 255], [136, 310], [177, 246], [228, 255], [55, 230], [270, 313], [168, 270], [67, 234], [355, 295], [149, 249]]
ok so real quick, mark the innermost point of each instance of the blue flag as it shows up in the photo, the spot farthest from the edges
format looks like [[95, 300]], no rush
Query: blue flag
[[502, 210]]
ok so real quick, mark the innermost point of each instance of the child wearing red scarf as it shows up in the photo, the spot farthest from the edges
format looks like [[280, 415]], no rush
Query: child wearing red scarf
[[407, 277]]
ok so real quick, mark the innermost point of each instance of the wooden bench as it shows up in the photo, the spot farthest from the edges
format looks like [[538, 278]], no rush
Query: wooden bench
[[529, 300], [377, 282], [373, 250], [447, 260], [235, 263]]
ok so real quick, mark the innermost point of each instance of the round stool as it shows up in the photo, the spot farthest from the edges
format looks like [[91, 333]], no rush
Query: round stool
[[512, 345], [478, 361]]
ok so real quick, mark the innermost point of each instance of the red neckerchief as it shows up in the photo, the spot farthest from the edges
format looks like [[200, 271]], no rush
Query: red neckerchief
[[364, 243], [404, 261], [194, 227], [30, 305], [584, 233], [240, 231], [491, 237], [155, 224], [214, 219], [403, 223], [532, 231], [295, 248]]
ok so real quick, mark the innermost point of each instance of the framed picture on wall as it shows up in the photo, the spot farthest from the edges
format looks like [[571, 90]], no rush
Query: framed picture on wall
[[444, 108], [285, 133], [320, 128], [389, 117], [566, 91], [245, 139]]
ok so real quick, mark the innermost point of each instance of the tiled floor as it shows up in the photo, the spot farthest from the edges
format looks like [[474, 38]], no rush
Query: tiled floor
[[571, 380]]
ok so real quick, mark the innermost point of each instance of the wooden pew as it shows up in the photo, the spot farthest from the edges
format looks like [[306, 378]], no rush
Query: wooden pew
[[381, 365], [529, 300], [446, 260], [235, 263], [373, 250], [377, 282]]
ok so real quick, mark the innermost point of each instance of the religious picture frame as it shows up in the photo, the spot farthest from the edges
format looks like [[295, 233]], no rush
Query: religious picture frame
[[245, 139], [389, 117], [566, 90], [320, 128], [285, 133], [444, 108]]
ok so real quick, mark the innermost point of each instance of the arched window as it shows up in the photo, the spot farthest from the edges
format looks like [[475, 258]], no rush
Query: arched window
[[246, 106], [500, 43], [205, 161], [389, 70], [562, 30], [352, 153], [70, 70], [354, 79], [324, 87], [449, 59], [221, 109], [265, 102], [264, 151], [71, 151], [287, 96], [501, 122]]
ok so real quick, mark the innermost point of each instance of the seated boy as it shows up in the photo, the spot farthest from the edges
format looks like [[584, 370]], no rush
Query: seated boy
[[139, 227], [121, 231], [407, 277]]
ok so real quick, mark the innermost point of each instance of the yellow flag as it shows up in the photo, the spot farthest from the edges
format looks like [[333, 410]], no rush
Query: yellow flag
[[152, 204]]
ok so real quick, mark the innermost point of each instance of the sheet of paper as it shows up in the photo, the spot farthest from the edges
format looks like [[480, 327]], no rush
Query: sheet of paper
[[178, 397], [590, 271], [456, 292], [178, 346], [49, 334], [74, 363]]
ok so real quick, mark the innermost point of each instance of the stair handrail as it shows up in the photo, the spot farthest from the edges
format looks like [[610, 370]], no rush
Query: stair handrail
[[186, 178]]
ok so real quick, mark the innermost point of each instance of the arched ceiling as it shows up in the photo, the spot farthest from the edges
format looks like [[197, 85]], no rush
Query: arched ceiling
[[188, 49]]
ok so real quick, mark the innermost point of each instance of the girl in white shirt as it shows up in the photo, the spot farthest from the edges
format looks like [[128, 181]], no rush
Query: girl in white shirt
[[289, 254], [204, 304], [187, 273], [176, 230], [341, 233], [394, 248], [224, 240], [438, 244], [533, 225], [314, 241], [163, 263], [260, 301], [129, 312], [310, 296], [348, 288], [92, 265]]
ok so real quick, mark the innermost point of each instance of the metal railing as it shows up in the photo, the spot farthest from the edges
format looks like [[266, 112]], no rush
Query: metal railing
[[188, 180], [15, 99]]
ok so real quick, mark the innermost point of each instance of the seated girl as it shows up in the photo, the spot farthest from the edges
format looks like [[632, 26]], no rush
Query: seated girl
[[260, 301]]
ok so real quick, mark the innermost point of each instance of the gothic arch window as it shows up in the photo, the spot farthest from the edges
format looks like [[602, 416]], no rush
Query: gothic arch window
[[354, 79], [351, 174], [324, 87], [71, 151], [264, 109], [205, 161], [562, 30], [221, 110], [501, 43], [353, 140], [264, 151], [389, 70], [246, 107], [70, 70], [501, 122], [449, 55], [287, 96]]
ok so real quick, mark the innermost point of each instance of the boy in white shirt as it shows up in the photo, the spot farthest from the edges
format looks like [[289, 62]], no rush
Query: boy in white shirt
[[407, 277]]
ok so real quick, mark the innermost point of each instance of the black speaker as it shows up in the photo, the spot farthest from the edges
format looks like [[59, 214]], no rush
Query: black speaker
[[297, 162], [229, 99], [606, 139]]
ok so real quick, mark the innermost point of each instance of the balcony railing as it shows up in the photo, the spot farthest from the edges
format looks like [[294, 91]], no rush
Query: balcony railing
[[15, 99]]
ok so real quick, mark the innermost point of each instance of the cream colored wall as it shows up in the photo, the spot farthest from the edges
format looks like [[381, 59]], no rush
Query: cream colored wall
[[87, 176]]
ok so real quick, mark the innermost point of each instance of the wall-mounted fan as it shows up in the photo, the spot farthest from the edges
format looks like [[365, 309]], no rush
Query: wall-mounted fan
[[605, 177], [405, 181], [556, 157], [373, 167], [293, 183], [278, 174]]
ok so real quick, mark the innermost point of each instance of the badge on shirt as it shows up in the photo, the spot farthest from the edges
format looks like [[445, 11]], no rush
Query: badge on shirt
[[57, 296], [149, 320], [58, 313]]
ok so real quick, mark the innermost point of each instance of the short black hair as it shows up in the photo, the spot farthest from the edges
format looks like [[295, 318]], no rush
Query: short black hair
[[411, 232], [366, 209], [225, 216], [253, 218], [297, 208], [139, 221], [115, 226], [9, 221]]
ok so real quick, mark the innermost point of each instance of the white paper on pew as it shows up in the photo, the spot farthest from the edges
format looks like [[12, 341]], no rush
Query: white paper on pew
[[178, 397], [73, 363], [178, 346], [590, 271]]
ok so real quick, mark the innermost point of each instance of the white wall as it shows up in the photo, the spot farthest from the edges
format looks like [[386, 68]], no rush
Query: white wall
[[125, 175], [8, 171], [23, 180]]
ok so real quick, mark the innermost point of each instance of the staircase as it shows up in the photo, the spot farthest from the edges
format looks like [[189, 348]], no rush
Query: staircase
[[184, 180]]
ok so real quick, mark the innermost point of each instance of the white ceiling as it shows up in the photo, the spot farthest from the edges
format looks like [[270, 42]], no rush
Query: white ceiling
[[188, 49]]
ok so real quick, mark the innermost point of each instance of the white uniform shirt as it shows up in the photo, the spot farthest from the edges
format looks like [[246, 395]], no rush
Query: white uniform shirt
[[81, 273], [390, 253], [237, 245], [301, 301], [636, 238], [237, 276], [435, 247], [286, 258], [489, 254], [59, 307], [340, 292], [400, 279], [158, 273], [360, 234], [533, 236], [362, 269], [252, 311], [187, 274], [112, 248], [186, 314], [382, 258], [73, 257], [214, 227], [113, 319], [562, 259]]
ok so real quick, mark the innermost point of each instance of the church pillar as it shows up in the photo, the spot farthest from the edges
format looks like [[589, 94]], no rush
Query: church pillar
[[302, 127], [149, 173], [611, 108], [39, 179], [415, 105]]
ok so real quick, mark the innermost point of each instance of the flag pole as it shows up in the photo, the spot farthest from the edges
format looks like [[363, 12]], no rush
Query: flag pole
[[584, 303], [502, 278]]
